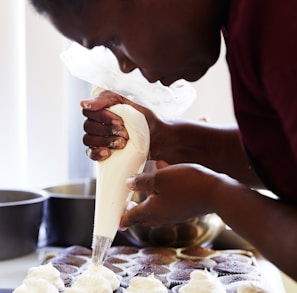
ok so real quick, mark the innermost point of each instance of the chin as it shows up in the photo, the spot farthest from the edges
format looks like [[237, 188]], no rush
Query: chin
[[195, 76], [198, 76]]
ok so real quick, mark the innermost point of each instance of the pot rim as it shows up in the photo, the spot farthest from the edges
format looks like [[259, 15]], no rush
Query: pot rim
[[41, 197], [71, 196], [74, 181]]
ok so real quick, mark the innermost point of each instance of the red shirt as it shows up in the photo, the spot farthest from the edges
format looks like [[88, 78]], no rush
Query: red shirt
[[261, 40]]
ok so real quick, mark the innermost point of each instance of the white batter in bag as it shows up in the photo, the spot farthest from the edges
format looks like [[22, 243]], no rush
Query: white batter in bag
[[100, 68]]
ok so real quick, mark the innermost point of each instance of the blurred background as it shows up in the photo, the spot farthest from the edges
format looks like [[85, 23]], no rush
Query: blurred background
[[40, 117]]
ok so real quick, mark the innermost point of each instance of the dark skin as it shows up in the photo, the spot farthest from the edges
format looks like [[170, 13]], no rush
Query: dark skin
[[168, 40]]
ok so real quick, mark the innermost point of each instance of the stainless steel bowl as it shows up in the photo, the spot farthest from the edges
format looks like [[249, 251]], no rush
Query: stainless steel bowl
[[199, 231], [20, 219], [69, 213], [69, 220]]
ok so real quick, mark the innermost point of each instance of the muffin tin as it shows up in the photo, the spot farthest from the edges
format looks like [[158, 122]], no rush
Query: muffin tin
[[172, 266]]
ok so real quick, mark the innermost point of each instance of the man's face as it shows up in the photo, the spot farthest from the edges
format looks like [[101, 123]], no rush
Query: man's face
[[166, 39]]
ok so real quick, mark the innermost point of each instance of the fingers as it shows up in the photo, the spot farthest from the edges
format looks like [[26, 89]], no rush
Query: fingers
[[98, 154], [111, 142], [105, 99], [104, 129], [113, 136], [103, 116], [100, 138], [92, 127]]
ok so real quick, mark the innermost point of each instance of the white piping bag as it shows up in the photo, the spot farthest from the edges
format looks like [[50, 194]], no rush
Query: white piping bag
[[100, 68]]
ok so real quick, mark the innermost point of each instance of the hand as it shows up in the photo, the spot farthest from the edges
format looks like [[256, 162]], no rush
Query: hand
[[105, 130], [176, 193]]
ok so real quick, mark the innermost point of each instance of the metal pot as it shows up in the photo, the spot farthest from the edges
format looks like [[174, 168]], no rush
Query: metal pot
[[69, 213], [20, 219]]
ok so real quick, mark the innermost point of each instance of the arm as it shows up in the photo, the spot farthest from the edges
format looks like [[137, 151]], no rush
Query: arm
[[174, 142], [269, 224], [218, 148]]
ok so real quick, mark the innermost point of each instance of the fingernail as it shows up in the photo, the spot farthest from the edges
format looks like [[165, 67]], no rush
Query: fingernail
[[119, 132], [86, 105], [104, 153], [131, 183], [116, 122], [115, 132], [118, 143]]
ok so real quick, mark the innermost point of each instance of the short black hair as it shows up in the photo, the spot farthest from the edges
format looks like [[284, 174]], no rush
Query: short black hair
[[53, 7]]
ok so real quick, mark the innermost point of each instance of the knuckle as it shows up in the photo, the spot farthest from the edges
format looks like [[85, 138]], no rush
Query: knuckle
[[85, 140], [86, 125]]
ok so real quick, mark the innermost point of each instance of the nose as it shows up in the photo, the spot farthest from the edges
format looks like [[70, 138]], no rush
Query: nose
[[126, 65], [87, 43]]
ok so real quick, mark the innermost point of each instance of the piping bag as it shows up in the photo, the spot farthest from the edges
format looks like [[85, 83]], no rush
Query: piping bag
[[99, 67]]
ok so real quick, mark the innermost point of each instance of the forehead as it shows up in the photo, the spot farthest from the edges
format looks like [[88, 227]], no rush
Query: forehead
[[95, 18]]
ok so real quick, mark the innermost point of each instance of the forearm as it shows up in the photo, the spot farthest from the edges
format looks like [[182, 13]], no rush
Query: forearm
[[215, 147], [269, 224]]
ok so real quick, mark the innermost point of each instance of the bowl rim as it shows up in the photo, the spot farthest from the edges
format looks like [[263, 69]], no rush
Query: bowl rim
[[42, 196]]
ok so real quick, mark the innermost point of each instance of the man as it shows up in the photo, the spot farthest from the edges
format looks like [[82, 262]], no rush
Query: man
[[212, 169]]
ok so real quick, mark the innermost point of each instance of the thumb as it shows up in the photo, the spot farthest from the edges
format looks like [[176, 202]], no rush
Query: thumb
[[141, 182], [161, 164]]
